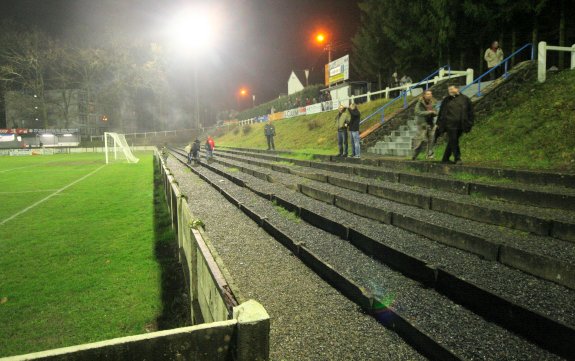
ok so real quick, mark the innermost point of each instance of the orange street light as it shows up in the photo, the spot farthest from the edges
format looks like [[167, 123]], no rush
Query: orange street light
[[320, 38], [243, 91]]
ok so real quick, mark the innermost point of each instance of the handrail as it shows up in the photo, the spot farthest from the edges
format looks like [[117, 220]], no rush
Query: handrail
[[504, 61], [403, 94]]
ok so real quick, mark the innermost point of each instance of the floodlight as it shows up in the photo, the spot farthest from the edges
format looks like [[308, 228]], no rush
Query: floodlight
[[192, 30]]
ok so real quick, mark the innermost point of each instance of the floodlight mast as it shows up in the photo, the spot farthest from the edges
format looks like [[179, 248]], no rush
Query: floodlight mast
[[191, 32]]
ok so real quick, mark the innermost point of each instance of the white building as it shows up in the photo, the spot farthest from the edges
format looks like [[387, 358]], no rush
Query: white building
[[294, 84]]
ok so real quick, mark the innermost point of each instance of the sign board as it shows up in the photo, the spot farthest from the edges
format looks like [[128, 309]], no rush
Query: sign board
[[314, 108], [337, 71]]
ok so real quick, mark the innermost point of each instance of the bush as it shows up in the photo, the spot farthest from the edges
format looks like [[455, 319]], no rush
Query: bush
[[312, 124], [247, 129]]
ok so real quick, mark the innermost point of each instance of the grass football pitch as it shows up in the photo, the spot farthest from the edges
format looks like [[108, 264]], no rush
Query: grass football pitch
[[77, 260]]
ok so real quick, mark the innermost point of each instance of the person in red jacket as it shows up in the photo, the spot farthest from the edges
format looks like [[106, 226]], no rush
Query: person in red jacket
[[210, 145]]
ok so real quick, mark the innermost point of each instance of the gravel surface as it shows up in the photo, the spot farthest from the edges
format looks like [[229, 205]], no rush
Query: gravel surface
[[555, 301], [548, 246], [531, 187], [455, 327], [310, 320], [543, 213]]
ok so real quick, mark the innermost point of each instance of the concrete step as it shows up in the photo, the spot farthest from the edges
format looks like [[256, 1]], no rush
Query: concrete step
[[410, 133], [400, 139]]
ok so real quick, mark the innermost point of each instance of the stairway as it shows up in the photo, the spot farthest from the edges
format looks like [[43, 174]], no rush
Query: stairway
[[398, 143], [394, 139]]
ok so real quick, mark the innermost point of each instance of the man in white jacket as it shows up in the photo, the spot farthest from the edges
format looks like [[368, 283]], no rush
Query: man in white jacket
[[494, 56]]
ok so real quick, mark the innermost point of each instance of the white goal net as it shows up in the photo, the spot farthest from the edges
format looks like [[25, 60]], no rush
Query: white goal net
[[117, 148]]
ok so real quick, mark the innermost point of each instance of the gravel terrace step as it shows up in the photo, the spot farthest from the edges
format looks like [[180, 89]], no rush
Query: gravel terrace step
[[550, 196], [558, 255], [309, 319], [525, 289], [542, 221], [464, 333], [554, 180]]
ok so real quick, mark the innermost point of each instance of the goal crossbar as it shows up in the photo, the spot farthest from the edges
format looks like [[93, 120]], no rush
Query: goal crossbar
[[119, 143]]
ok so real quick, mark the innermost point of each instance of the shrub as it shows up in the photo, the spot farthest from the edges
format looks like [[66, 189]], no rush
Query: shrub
[[247, 129]]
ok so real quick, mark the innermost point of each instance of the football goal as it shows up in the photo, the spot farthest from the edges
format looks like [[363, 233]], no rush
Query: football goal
[[116, 143]]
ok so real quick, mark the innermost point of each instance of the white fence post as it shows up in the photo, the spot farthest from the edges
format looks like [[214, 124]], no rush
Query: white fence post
[[387, 93], [542, 61], [469, 76], [573, 56]]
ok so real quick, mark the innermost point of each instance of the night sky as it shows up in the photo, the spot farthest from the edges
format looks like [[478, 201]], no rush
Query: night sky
[[260, 41]]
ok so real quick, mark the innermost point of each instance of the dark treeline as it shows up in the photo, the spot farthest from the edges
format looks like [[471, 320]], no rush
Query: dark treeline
[[123, 80], [416, 37]]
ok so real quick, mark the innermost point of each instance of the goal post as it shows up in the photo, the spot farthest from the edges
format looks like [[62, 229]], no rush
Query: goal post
[[117, 144]]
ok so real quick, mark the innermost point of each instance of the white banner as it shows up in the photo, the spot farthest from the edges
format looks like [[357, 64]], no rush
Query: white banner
[[291, 113], [313, 109]]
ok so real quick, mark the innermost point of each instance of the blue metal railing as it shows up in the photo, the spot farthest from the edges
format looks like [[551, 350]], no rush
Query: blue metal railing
[[505, 63], [403, 94]]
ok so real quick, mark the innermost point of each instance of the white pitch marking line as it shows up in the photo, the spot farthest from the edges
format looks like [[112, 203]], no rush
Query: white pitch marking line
[[37, 191], [48, 197], [27, 166]]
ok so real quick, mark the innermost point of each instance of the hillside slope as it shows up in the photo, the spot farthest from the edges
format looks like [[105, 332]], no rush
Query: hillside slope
[[536, 129], [310, 133]]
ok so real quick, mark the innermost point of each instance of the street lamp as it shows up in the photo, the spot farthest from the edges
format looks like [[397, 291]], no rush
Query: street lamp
[[321, 38], [240, 94]]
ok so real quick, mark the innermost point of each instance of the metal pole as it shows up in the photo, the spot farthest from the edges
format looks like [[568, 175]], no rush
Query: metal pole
[[197, 97], [106, 146]]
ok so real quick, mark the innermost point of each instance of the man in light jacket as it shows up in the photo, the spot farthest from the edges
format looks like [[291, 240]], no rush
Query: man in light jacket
[[424, 114], [493, 56], [342, 122]]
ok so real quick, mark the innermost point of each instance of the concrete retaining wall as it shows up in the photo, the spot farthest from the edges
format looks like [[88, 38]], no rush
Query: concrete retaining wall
[[244, 337]]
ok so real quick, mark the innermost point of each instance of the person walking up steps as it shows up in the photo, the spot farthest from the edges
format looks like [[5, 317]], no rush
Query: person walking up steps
[[493, 56], [355, 117], [342, 122], [424, 114], [455, 118], [270, 132]]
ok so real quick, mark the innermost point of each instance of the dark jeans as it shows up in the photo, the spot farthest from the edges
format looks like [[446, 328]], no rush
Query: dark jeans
[[271, 144], [452, 145], [342, 141], [497, 73]]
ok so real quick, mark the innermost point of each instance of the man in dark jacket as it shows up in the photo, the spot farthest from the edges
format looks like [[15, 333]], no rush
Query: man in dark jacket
[[195, 151], [455, 118], [355, 117], [270, 132]]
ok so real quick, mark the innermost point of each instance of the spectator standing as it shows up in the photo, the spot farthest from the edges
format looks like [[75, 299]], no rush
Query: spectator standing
[[342, 122], [405, 80], [493, 56], [424, 114], [210, 146], [355, 117], [455, 118], [195, 151], [270, 133]]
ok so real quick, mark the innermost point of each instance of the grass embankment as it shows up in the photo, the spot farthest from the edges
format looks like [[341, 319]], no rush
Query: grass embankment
[[79, 267], [536, 128], [314, 134]]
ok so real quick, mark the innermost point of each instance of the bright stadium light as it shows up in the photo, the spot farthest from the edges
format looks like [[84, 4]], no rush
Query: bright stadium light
[[192, 30]]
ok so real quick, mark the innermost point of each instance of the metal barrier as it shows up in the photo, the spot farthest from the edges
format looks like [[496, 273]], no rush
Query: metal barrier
[[504, 63], [434, 77]]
